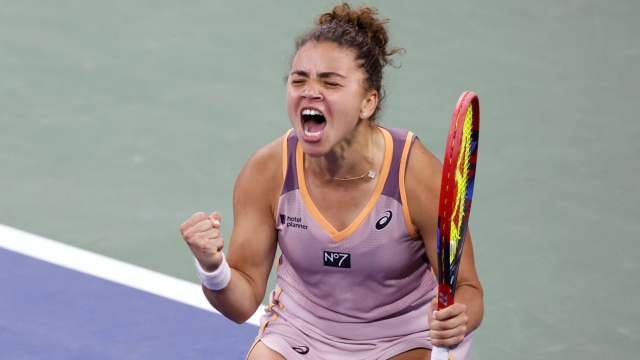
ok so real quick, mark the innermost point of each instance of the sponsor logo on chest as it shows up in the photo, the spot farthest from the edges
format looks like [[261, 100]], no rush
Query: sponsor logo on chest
[[294, 222], [336, 259], [384, 220]]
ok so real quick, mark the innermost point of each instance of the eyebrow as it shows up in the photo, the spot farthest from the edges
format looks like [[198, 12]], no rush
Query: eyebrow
[[322, 75]]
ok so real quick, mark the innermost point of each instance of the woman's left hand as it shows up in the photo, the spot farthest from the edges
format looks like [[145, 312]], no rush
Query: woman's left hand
[[448, 326]]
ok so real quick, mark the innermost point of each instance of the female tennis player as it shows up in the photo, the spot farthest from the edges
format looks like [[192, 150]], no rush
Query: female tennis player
[[354, 208]]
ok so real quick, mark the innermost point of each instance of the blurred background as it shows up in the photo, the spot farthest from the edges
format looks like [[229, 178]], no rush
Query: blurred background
[[120, 119]]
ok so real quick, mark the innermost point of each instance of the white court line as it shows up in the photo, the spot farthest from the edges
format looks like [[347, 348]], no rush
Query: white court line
[[109, 269]]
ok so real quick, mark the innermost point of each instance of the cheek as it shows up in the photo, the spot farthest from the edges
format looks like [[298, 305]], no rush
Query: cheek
[[292, 107], [292, 95], [344, 106]]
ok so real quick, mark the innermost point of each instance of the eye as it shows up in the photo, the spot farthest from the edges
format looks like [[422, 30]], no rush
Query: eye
[[297, 81], [331, 84]]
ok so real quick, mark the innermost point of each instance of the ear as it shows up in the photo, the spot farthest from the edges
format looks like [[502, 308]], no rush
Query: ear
[[369, 104]]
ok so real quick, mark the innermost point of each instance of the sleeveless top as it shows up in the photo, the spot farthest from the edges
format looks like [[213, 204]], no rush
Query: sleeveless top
[[371, 280]]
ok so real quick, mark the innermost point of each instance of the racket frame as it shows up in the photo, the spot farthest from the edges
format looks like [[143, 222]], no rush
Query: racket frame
[[448, 270]]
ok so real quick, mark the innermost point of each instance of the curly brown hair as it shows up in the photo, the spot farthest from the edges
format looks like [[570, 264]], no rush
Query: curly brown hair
[[361, 30]]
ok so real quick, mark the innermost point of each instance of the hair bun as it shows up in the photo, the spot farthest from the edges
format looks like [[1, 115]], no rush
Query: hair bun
[[363, 18]]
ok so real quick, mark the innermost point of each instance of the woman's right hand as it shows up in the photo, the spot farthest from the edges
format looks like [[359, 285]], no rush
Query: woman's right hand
[[202, 234]]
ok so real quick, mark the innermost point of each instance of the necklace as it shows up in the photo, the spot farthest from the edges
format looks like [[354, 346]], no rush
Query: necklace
[[371, 173]]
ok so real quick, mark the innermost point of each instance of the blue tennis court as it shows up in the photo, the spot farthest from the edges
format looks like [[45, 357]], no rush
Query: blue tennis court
[[48, 311]]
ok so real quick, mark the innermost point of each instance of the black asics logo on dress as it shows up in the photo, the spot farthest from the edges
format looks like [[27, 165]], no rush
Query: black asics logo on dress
[[384, 220], [301, 349]]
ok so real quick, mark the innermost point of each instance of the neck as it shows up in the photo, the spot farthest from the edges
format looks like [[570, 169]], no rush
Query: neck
[[351, 158]]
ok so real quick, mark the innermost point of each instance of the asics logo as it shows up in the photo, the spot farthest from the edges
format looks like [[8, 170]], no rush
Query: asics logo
[[301, 349], [384, 220]]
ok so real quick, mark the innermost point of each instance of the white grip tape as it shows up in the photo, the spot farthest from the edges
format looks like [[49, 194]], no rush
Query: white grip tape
[[218, 279], [439, 353]]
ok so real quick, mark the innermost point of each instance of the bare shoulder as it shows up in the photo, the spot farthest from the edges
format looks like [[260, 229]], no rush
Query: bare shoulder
[[424, 170], [266, 159], [261, 177], [422, 181]]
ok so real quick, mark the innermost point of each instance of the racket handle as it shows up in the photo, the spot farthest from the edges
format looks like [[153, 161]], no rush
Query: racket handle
[[445, 298], [439, 353]]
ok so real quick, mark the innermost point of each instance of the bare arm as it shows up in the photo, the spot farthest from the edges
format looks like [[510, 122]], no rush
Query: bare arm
[[253, 241], [424, 173]]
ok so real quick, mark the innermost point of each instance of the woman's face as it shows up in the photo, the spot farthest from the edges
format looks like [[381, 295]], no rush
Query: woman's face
[[325, 96]]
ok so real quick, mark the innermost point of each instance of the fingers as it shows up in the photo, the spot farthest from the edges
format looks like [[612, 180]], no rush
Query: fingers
[[216, 219], [449, 325], [193, 220], [455, 311], [447, 338], [202, 231], [213, 239], [199, 223], [202, 234]]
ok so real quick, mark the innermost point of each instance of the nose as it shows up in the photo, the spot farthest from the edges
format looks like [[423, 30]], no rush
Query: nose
[[310, 92]]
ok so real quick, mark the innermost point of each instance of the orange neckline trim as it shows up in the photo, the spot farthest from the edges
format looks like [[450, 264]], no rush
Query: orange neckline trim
[[315, 213]]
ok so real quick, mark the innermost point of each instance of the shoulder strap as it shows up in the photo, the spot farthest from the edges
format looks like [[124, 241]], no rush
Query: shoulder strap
[[289, 162]]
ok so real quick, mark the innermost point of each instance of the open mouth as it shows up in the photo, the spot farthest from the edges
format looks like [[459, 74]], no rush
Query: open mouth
[[313, 122]]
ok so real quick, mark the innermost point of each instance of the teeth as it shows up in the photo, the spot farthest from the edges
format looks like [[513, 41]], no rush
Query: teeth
[[314, 134], [311, 112]]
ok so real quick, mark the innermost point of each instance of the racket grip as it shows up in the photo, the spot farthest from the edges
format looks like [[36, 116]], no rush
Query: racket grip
[[439, 353]]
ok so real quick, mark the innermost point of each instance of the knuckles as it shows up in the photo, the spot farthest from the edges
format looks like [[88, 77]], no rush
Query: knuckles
[[194, 219], [187, 235], [192, 237], [218, 243], [205, 241], [183, 228], [445, 326]]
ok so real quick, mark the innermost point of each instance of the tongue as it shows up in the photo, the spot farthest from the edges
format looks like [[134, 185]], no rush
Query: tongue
[[314, 127]]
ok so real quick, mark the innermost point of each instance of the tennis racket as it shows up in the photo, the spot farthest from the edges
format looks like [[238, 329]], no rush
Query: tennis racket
[[456, 192]]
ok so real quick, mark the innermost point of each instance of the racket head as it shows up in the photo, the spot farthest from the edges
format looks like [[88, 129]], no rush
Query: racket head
[[456, 192]]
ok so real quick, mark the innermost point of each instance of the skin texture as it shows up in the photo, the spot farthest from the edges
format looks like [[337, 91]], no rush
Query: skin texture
[[325, 77]]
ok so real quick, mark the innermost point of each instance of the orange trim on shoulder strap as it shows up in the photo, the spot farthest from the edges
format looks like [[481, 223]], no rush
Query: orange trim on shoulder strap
[[304, 192], [285, 153], [285, 164], [403, 190]]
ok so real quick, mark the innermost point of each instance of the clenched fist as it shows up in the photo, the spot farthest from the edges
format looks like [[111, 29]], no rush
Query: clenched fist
[[448, 326], [202, 234]]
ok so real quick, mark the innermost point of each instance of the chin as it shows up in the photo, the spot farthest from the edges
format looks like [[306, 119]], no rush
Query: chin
[[315, 149]]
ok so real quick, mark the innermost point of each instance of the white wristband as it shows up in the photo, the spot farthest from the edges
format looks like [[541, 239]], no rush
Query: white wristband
[[218, 279]]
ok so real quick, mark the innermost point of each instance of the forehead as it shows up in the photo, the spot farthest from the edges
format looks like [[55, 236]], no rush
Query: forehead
[[325, 57]]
